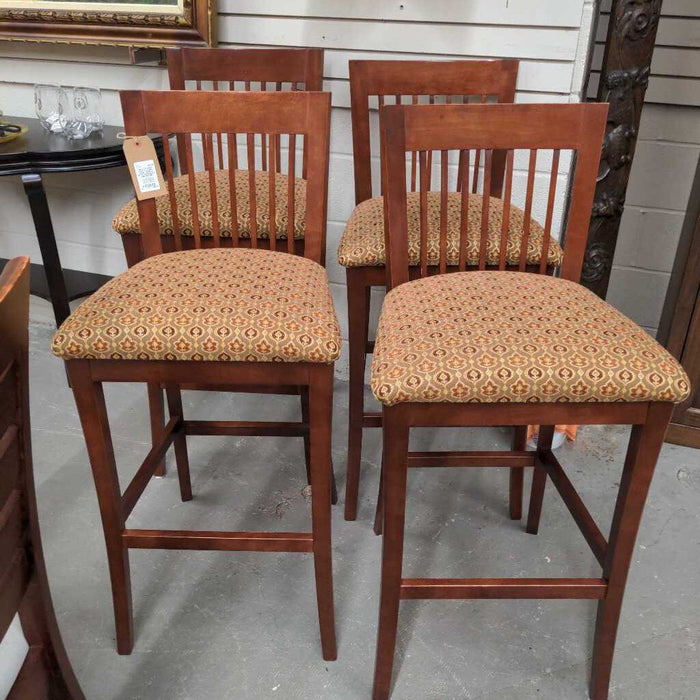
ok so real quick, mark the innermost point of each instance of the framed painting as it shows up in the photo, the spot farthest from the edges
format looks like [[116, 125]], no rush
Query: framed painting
[[137, 23]]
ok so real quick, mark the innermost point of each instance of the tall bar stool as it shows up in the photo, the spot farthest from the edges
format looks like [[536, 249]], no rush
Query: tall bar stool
[[362, 250], [218, 311], [266, 70], [491, 348], [218, 70]]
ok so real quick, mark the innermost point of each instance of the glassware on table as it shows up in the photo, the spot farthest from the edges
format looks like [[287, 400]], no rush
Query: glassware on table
[[80, 113], [47, 104]]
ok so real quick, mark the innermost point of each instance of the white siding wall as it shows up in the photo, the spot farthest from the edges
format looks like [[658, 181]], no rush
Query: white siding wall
[[551, 41], [667, 154]]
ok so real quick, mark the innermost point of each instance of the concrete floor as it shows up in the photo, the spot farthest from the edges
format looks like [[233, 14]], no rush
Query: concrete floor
[[243, 625]]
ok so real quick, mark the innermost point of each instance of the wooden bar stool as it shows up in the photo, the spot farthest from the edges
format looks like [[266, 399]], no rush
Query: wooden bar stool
[[46, 671], [217, 314], [362, 250], [492, 348], [223, 70], [220, 70]]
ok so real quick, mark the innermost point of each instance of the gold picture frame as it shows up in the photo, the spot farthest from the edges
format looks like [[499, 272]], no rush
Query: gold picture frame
[[149, 24]]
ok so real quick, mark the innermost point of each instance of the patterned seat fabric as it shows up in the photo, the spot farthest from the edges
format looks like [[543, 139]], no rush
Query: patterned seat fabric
[[218, 305], [127, 219], [489, 337], [362, 243]]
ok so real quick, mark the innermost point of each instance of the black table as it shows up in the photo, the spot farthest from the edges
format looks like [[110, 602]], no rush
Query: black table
[[38, 152]]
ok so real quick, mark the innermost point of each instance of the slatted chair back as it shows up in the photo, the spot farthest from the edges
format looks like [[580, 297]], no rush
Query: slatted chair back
[[46, 672], [379, 83], [287, 117], [522, 132], [243, 69]]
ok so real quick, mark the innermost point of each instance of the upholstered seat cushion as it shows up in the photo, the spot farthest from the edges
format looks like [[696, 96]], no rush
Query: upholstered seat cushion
[[362, 243], [489, 337], [127, 219], [218, 305]]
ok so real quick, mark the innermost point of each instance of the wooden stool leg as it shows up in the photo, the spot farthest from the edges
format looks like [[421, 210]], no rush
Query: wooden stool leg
[[395, 475], [379, 512], [156, 411], [358, 323], [180, 443], [517, 475], [644, 447], [89, 399], [539, 480], [321, 415], [304, 395]]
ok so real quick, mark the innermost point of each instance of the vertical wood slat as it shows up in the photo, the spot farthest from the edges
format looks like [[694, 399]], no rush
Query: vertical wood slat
[[271, 193], [485, 209], [232, 145], [170, 180], [443, 212], [250, 142], [380, 104], [460, 169], [292, 145], [263, 137], [232, 142], [424, 186], [505, 229], [211, 170], [278, 139], [292, 142], [528, 209], [291, 171], [550, 211], [219, 137], [193, 192], [477, 161], [431, 100], [460, 157], [463, 188], [477, 165], [414, 155]]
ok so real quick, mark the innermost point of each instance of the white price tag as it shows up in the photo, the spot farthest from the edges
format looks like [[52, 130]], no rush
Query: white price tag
[[144, 168], [146, 175]]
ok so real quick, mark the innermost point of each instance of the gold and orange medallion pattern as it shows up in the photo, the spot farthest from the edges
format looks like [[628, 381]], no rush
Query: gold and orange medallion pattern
[[362, 243], [217, 305], [489, 337], [127, 219]]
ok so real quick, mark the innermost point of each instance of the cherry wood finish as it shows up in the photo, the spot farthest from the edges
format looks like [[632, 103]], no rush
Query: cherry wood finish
[[506, 127], [186, 112], [221, 70], [390, 82], [46, 672], [244, 69]]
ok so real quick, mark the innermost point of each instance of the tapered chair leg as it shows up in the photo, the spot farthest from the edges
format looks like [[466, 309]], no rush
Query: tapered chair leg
[[517, 475], [358, 322], [379, 511], [321, 416], [644, 447], [156, 411], [180, 443], [539, 480], [304, 395], [89, 399], [395, 463]]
